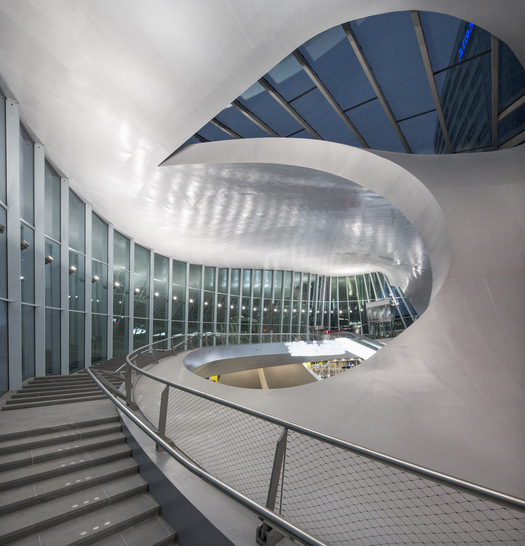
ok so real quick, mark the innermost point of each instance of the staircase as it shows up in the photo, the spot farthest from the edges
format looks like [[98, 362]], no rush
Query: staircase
[[66, 473]]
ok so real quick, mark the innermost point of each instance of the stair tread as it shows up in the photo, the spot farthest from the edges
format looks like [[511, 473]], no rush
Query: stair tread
[[44, 470], [58, 486], [57, 450], [153, 532], [99, 524], [57, 436], [58, 427], [40, 516], [26, 395], [26, 405]]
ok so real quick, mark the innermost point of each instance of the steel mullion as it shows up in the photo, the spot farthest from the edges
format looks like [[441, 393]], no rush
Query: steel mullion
[[375, 85], [252, 117], [328, 96], [224, 128], [494, 68], [518, 139], [430, 76], [514, 106], [277, 97]]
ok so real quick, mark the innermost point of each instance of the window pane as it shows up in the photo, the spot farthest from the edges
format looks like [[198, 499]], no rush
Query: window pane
[[3, 254], [76, 223], [121, 251], [76, 342], [257, 283], [511, 77], [421, 133], [179, 273], [52, 342], [194, 306], [99, 338], [99, 287], [28, 341], [52, 199], [160, 331], [238, 122], [195, 276], [121, 293], [267, 284], [222, 280], [4, 369], [289, 78], [247, 282], [235, 281], [120, 336], [160, 300], [161, 267], [441, 32], [140, 333], [141, 306], [100, 239], [142, 261], [27, 262], [52, 273], [511, 125], [209, 278], [209, 306], [177, 306], [27, 186], [76, 281], [212, 132], [177, 328]]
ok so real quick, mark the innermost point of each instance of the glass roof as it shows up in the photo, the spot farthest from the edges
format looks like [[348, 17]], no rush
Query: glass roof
[[419, 82]]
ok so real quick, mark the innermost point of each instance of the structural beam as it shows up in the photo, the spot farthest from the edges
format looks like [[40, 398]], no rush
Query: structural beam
[[327, 95], [514, 106], [224, 128], [276, 96], [253, 118], [430, 76], [518, 139], [494, 83], [375, 85]]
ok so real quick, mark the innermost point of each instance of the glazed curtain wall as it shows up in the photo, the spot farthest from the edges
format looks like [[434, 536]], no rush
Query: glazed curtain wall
[[73, 291]]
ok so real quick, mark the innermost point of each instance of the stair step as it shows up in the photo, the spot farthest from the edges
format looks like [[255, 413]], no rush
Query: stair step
[[44, 397], [56, 437], [42, 471], [98, 525], [28, 495], [53, 452], [59, 427], [153, 532], [36, 519], [43, 403], [24, 393]]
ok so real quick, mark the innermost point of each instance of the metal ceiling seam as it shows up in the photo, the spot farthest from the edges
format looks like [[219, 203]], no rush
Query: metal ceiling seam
[[328, 96], [430, 76], [277, 97], [375, 84], [224, 128]]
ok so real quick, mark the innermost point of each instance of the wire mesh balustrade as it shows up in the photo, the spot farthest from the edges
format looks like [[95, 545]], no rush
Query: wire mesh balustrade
[[332, 490]]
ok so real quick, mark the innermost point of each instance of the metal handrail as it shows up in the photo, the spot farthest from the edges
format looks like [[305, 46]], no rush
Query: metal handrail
[[417, 469], [261, 511]]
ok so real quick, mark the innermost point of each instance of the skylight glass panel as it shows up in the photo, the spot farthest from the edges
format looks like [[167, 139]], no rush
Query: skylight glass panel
[[465, 95], [441, 33], [314, 108], [238, 122], [289, 79], [420, 133], [302, 134], [258, 101], [390, 45], [333, 60], [371, 121], [511, 77], [212, 132]]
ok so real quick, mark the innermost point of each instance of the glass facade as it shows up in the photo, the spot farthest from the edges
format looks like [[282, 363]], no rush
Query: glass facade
[[86, 293]]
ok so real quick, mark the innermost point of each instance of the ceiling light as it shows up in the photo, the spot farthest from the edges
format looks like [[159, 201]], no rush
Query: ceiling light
[[117, 285], [2, 228], [24, 244], [95, 278], [72, 269], [48, 259]]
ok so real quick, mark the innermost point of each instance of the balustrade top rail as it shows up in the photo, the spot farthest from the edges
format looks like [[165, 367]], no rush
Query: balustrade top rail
[[186, 405]]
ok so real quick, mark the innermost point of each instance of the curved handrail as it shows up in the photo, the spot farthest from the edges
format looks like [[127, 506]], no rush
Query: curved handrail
[[255, 507], [457, 482]]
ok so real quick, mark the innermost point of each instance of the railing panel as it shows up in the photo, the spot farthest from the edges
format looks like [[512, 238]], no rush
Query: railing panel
[[235, 447], [147, 398], [343, 498]]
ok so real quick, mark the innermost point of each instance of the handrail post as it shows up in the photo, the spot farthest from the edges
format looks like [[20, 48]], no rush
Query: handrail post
[[163, 413], [266, 535], [128, 386]]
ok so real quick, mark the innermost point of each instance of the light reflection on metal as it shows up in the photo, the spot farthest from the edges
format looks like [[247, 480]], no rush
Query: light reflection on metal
[[327, 95], [430, 76], [375, 85]]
